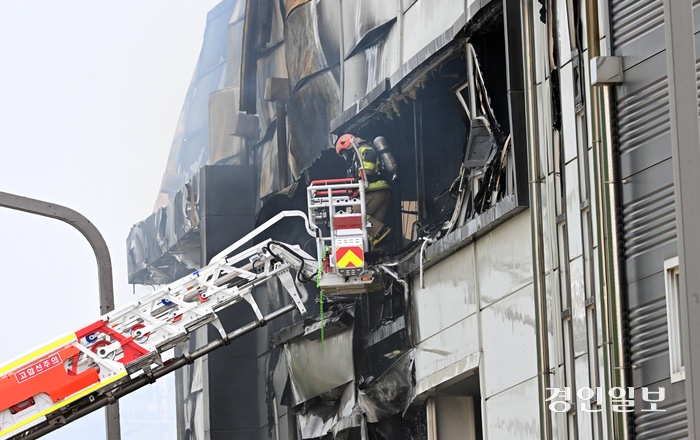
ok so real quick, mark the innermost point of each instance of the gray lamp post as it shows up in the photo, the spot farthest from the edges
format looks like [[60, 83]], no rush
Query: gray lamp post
[[104, 267]]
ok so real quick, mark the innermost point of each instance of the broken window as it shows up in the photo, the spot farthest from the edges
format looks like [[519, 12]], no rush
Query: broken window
[[448, 125]]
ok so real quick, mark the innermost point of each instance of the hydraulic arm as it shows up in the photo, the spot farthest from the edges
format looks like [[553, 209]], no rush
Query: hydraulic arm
[[123, 350], [80, 372]]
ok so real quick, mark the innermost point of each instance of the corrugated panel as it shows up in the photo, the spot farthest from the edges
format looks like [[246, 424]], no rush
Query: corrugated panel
[[637, 28], [643, 116], [648, 207], [648, 337], [643, 129], [649, 221], [668, 425], [634, 18]]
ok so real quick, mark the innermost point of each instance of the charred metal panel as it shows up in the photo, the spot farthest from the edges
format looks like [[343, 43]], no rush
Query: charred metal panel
[[225, 148], [450, 295], [387, 330], [238, 14], [317, 421], [276, 24], [509, 341], [166, 245], [356, 113], [302, 45], [190, 147], [266, 166], [272, 65], [328, 14], [391, 393], [249, 57], [290, 5], [504, 260], [310, 111], [234, 53], [424, 16], [369, 18], [173, 242], [313, 371], [368, 68], [475, 229], [513, 413]]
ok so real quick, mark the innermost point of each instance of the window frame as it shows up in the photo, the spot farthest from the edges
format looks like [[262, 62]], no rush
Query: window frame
[[675, 348]]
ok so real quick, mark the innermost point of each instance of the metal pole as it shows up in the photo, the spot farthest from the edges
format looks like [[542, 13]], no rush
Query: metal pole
[[613, 304], [104, 267], [418, 144], [685, 145], [543, 367], [282, 150]]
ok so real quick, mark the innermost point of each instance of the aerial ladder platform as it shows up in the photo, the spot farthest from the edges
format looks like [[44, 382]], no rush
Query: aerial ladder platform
[[122, 351]]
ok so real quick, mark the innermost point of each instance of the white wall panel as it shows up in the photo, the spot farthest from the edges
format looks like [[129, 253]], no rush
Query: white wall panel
[[573, 210], [564, 37], [578, 306], [449, 295], [514, 414], [504, 259], [540, 37], [548, 228], [551, 245], [568, 113], [556, 348], [425, 21], [585, 421], [453, 351], [509, 341]]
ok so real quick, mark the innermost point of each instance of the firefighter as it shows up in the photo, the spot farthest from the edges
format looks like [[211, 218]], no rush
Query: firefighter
[[376, 194]]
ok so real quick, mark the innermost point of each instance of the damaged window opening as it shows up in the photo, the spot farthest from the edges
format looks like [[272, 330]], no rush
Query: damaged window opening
[[449, 128]]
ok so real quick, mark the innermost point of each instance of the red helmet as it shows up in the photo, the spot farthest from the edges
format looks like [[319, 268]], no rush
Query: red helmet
[[344, 142]]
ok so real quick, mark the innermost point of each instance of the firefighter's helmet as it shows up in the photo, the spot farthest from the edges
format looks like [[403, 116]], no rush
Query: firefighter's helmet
[[343, 143]]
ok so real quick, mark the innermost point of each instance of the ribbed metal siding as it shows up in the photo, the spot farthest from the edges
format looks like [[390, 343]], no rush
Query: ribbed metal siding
[[637, 28], [672, 423], [648, 207]]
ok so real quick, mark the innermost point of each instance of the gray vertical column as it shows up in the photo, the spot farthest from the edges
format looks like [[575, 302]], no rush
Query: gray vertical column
[[685, 144], [104, 267]]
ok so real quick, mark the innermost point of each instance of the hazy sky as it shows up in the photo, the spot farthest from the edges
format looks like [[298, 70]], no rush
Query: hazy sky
[[90, 93]]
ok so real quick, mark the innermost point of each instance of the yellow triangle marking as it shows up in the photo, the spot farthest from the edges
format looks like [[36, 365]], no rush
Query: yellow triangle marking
[[350, 257]]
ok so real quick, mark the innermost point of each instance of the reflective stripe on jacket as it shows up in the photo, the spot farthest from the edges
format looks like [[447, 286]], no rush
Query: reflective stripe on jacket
[[370, 162]]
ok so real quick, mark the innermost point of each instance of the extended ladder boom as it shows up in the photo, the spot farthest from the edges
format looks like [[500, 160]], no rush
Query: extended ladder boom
[[121, 352]]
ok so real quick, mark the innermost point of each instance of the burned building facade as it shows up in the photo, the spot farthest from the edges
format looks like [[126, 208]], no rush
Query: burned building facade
[[535, 218]]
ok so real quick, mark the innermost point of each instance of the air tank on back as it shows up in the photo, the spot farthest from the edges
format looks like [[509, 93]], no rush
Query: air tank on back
[[384, 151]]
